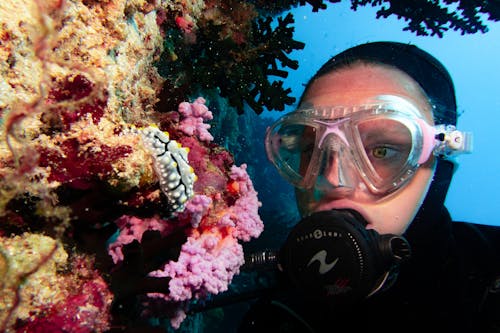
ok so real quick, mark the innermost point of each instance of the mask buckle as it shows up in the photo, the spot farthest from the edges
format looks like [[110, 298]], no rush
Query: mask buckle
[[451, 142]]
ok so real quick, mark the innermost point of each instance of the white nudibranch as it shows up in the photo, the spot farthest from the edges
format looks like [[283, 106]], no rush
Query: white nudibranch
[[170, 162]]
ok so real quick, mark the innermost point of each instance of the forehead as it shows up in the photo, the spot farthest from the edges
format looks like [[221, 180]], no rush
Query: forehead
[[360, 82]]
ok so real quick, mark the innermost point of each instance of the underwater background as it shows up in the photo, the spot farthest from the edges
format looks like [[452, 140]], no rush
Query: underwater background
[[133, 177]]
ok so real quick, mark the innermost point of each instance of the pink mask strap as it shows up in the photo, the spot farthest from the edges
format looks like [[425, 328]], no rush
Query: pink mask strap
[[429, 133]]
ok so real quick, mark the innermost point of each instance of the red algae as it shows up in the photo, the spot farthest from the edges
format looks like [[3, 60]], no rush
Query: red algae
[[71, 88], [51, 292], [80, 165]]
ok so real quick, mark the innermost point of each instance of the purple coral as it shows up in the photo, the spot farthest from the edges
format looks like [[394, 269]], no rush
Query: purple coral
[[132, 228], [193, 116], [244, 213], [206, 265], [195, 209], [214, 220], [211, 256]]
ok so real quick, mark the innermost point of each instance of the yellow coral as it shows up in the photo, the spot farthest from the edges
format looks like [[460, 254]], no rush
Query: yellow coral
[[38, 278], [113, 44], [30, 276]]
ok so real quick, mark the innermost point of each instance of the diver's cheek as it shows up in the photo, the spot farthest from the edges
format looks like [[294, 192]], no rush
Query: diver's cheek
[[395, 214], [391, 215]]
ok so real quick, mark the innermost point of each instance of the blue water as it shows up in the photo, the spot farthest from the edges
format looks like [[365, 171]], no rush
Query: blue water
[[472, 60]]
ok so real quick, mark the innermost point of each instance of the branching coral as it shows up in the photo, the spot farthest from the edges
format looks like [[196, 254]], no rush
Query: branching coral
[[424, 17], [236, 59], [431, 18]]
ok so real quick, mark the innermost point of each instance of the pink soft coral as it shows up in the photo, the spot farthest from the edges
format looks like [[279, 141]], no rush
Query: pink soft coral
[[223, 212], [132, 228], [244, 213], [206, 265], [195, 209], [211, 255], [193, 116]]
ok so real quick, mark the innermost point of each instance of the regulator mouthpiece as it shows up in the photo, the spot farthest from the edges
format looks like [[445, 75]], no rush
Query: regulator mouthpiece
[[329, 256]]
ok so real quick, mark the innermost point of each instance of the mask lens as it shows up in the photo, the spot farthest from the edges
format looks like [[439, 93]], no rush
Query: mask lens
[[291, 147], [381, 147], [387, 147]]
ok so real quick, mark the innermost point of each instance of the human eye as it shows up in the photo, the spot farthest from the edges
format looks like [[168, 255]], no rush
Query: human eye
[[387, 144], [383, 152], [387, 158]]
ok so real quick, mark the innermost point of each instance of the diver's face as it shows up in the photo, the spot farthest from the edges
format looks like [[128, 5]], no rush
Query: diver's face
[[353, 86]]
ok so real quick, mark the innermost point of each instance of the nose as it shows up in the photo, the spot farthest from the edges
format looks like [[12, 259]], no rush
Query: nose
[[336, 170], [332, 170]]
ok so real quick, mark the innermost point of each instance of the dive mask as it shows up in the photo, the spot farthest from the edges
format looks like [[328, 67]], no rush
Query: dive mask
[[376, 147]]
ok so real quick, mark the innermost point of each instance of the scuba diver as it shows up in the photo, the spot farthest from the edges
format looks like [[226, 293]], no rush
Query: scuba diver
[[371, 153]]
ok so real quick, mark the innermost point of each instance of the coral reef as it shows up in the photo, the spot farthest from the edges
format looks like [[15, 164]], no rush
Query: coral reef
[[424, 17], [108, 198], [66, 93], [50, 292]]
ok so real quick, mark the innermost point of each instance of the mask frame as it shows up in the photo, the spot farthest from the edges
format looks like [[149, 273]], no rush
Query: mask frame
[[284, 141]]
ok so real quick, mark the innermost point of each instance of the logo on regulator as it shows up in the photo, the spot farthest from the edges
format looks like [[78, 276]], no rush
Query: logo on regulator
[[324, 267]]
